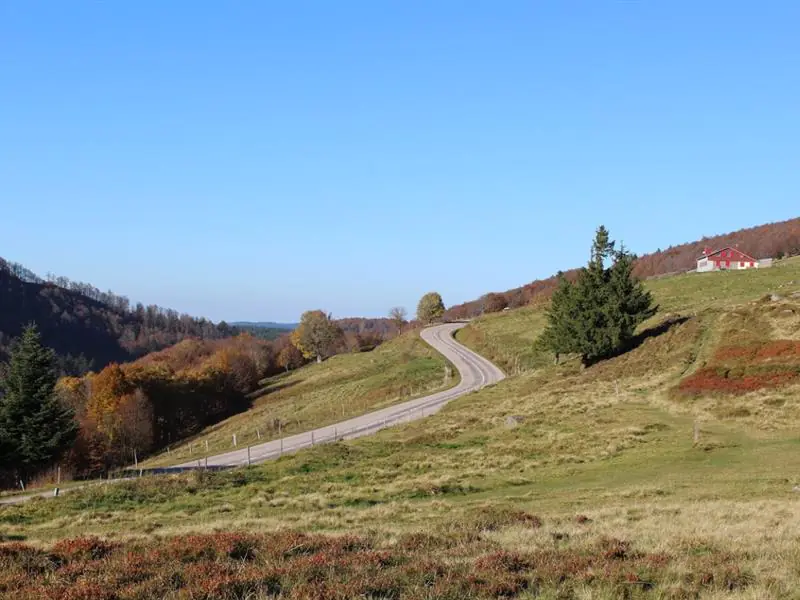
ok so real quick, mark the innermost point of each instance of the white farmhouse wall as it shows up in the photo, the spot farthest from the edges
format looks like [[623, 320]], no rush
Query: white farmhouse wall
[[704, 265]]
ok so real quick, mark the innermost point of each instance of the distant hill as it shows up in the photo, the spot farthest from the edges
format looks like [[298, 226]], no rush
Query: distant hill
[[264, 325], [88, 328], [773, 240], [265, 330]]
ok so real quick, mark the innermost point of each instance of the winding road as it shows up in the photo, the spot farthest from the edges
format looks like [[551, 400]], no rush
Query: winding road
[[476, 372]]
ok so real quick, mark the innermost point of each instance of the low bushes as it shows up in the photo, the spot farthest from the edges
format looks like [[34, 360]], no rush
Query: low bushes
[[300, 566]]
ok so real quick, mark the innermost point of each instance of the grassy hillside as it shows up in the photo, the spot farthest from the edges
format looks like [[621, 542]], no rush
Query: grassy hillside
[[343, 386], [667, 472]]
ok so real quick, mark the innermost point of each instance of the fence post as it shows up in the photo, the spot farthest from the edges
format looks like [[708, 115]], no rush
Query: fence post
[[206, 446], [258, 433], [248, 456], [206, 463], [58, 476], [135, 460], [22, 484], [234, 440], [312, 438], [281, 453], [55, 493]]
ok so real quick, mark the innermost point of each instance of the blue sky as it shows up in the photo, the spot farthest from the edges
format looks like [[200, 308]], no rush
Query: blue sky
[[250, 160]]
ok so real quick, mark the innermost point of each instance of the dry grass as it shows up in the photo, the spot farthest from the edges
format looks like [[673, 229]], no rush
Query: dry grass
[[604, 457]]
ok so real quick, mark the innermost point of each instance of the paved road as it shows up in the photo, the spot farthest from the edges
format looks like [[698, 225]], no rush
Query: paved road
[[476, 372]]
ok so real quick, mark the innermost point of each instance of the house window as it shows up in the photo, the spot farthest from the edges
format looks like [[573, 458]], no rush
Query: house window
[[741, 265], [752, 264]]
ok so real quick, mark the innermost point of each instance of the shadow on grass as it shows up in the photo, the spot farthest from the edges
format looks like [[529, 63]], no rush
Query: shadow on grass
[[641, 338], [270, 389]]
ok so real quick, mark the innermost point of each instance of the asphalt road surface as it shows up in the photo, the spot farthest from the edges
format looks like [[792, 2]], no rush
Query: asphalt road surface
[[476, 372]]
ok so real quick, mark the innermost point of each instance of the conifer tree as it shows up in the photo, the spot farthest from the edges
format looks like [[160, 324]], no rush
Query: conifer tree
[[598, 314], [559, 334], [35, 429]]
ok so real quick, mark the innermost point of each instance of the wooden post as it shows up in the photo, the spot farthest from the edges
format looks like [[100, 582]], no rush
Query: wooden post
[[234, 440], [22, 484], [55, 493], [248, 456], [206, 446], [312, 438], [206, 463], [281, 453], [258, 433], [58, 476], [135, 459], [168, 452]]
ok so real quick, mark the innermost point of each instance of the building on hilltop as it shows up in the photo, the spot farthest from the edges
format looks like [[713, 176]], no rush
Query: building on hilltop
[[727, 258]]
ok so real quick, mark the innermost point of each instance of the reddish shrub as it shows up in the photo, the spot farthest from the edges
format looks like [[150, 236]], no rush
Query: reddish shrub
[[720, 380], [85, 548], [612, 548], [504, 561]]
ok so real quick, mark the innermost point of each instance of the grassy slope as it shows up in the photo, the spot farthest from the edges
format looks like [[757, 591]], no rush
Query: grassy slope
[[611, 443], [343, 386]]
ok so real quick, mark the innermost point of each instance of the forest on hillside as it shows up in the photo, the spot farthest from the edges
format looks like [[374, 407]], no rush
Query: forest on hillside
[[773, 240], [87, 328]]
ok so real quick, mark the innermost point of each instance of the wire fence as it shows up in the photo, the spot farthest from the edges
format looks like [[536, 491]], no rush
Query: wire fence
[[254, 448]]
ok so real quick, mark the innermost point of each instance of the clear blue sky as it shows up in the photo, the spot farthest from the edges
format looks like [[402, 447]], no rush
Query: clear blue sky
[[250, 160]]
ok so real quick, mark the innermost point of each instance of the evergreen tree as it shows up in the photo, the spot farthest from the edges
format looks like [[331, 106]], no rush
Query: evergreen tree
[[598, 314], [559, 334], [631, 303], [35, 429]]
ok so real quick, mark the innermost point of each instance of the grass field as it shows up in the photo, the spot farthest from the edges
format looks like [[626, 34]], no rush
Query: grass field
[[560, 482], [343, 386]]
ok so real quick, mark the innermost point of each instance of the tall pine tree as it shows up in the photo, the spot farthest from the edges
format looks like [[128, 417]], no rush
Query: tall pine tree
[[35, 429], [597, 315], [559, 334]]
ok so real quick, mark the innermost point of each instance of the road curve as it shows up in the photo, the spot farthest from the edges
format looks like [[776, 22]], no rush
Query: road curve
[[476, 372]]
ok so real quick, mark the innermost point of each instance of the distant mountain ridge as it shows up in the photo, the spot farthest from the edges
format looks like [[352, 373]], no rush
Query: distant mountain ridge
[[265, 325]]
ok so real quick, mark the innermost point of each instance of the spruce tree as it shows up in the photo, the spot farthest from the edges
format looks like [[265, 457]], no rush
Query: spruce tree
[[596, 316], [35, 429], [631, 303], [559, 334]]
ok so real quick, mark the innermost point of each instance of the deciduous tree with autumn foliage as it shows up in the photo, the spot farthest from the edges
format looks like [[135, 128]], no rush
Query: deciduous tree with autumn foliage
[[317, 336]]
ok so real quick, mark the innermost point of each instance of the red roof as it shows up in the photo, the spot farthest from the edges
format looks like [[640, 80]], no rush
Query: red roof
[[733, 254]]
